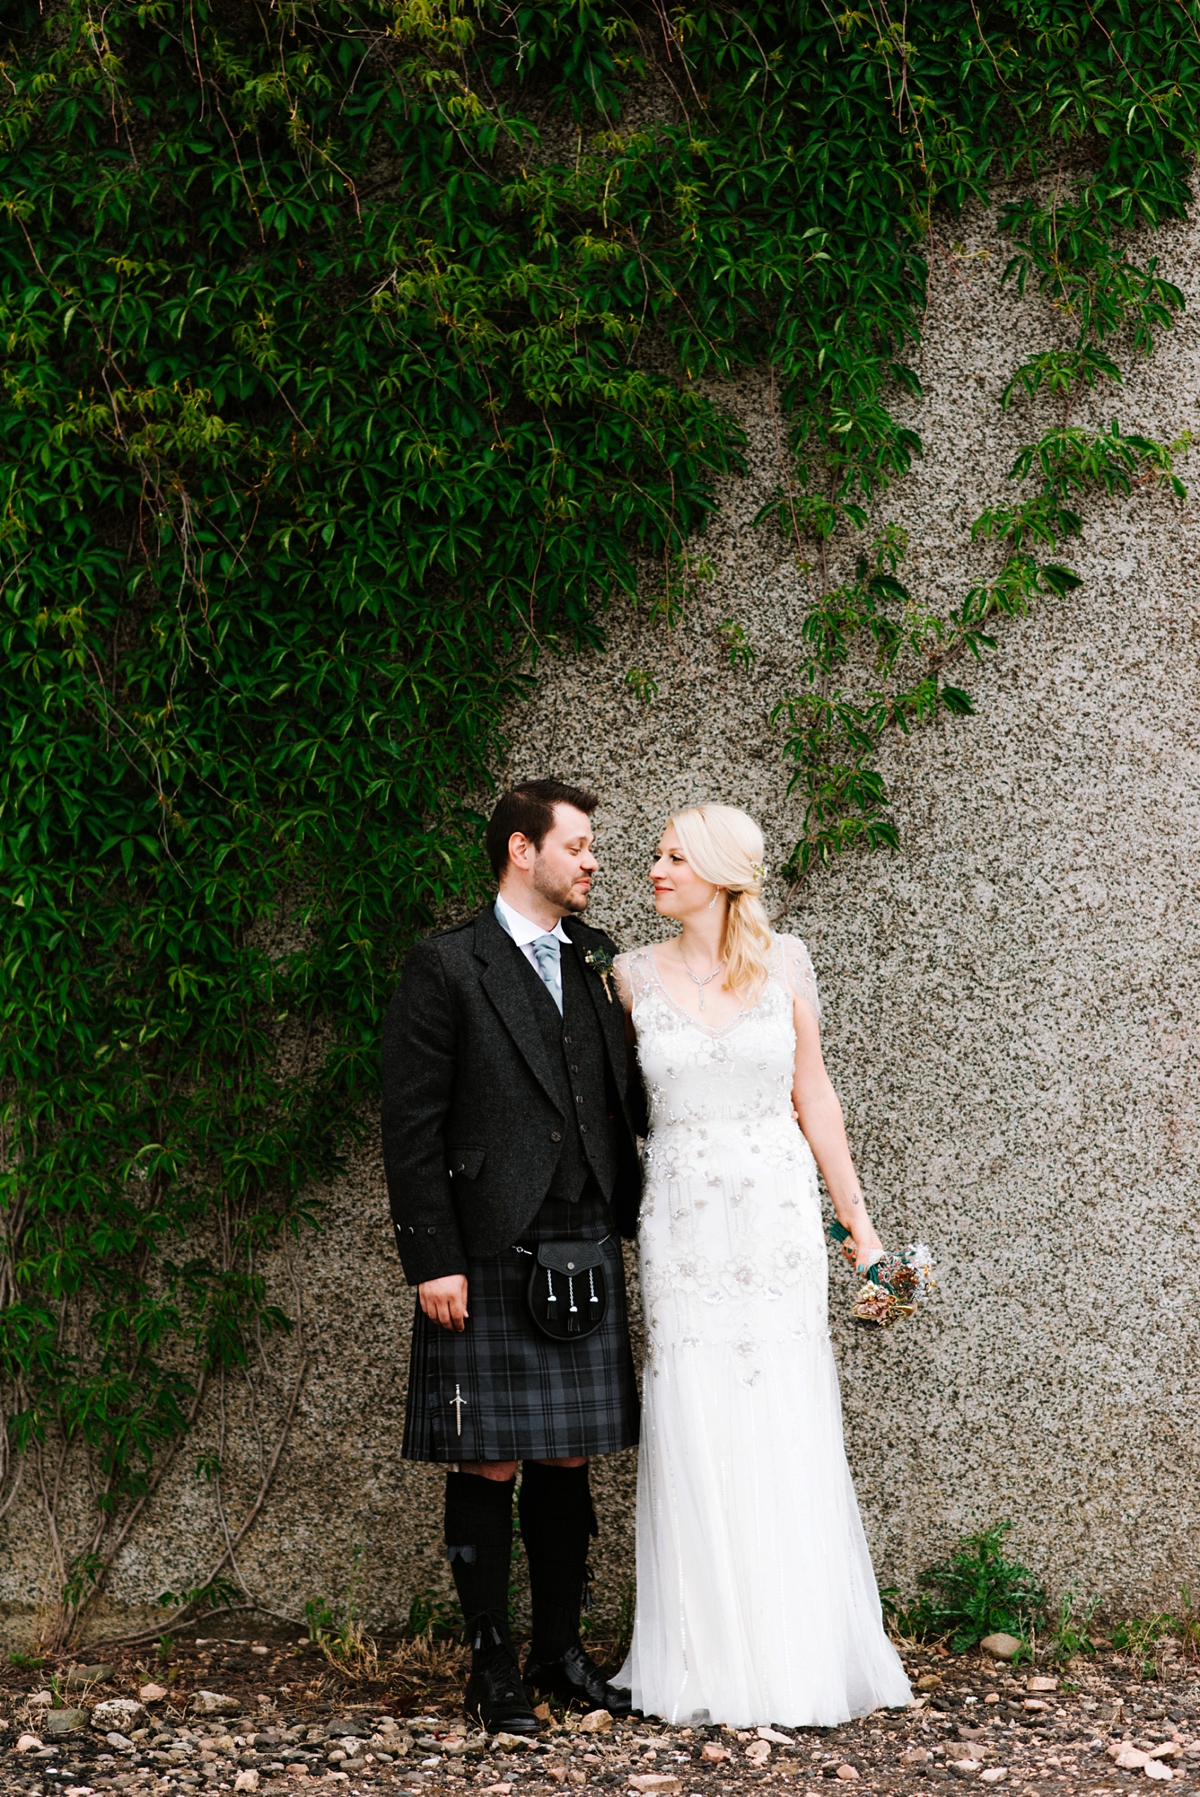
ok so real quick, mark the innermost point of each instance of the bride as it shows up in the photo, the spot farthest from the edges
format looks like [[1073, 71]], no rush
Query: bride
[[756, 1600]]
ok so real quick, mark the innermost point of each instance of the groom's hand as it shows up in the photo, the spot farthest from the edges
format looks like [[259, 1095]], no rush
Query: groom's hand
[[444, 1301]]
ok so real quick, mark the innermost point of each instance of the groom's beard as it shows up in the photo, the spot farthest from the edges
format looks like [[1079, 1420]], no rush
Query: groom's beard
[[564, 893]]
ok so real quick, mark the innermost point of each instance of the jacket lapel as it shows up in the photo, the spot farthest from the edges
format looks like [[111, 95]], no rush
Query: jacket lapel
[[503, 980]]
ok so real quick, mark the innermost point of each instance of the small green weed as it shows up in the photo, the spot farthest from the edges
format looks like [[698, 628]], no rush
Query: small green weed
[[431, 1618], [26, 1662], [320, 1619], [342, 1639], [1188, 1624], [975, 1592], [1071, 1634], [1138, 1636]]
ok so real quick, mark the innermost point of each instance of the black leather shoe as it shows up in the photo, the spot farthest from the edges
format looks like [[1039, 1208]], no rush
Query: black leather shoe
[[495, 1691], [574, 1678]]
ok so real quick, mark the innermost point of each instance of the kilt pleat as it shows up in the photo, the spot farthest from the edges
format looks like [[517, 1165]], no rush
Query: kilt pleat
[[501, 1390]]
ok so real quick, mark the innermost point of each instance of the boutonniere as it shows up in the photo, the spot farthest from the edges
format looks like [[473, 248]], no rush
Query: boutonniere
[[601, 962]]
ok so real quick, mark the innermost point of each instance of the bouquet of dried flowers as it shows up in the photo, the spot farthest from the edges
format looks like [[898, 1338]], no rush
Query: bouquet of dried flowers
[[896, 1285]]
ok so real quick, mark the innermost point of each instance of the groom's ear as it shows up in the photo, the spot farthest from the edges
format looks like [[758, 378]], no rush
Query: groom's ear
[[520, 851]]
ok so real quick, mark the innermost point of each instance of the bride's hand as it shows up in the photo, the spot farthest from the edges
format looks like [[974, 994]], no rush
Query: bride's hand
[[862, 1255]]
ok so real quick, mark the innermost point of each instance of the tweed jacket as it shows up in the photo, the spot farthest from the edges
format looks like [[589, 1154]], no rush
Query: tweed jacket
[[472, 1129]]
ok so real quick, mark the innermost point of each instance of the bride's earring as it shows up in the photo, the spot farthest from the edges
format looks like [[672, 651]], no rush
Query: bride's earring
[[716, 895]]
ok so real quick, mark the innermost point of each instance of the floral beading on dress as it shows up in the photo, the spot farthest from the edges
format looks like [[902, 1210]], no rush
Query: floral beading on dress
[[730, 1213]]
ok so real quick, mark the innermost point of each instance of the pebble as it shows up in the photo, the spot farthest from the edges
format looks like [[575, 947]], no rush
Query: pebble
[[758, 1753], [212, 1703], [246, 1780], [64, 1722], [1156, 1769], [1001, 1647], [847, 1773], [79, 1676], [993, 1775], [664, 1783], [118, 1712], [1042, 1684], [713, 1750], [596, 1722], [152, 1693], [27, 1743]]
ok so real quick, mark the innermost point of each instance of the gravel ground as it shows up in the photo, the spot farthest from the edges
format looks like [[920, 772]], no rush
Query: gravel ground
[[293, 1722]]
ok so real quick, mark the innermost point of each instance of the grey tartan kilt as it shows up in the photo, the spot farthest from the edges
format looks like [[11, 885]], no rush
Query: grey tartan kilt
[[523, 1396]]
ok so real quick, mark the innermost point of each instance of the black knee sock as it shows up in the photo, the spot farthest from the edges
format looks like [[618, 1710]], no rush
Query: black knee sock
[[479, 1543], [557, 1524]]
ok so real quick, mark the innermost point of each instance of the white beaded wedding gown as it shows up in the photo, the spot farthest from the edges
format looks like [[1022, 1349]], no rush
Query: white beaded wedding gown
[[756, 1599]]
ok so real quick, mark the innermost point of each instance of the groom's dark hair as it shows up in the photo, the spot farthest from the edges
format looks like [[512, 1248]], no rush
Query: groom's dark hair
[[529, 808]]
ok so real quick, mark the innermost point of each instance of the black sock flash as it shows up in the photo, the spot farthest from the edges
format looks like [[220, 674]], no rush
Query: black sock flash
[[479, 1543]]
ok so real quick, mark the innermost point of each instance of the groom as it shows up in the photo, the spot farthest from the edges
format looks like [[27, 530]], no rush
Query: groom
[[510, 1117]]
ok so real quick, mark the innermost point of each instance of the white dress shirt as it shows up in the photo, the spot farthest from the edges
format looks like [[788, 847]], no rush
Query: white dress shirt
[[525, 934]]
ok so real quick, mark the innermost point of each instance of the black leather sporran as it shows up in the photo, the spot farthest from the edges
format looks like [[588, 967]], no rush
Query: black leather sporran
[[567, 1293]]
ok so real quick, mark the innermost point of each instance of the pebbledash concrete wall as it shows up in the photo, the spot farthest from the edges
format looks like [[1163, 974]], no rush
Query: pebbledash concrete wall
[[1011, 1018]]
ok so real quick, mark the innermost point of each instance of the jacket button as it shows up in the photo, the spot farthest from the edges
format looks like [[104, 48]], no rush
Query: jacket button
[[574, 1066], [554, 1136], [461, 1167], [411, 1230], [431, 1230], [579, 1097], [583, 1129]]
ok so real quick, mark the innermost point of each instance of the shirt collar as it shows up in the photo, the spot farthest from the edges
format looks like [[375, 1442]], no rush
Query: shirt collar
[[522, 931]]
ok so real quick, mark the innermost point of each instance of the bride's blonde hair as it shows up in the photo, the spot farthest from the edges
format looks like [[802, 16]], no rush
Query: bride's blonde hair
[[725, 845]]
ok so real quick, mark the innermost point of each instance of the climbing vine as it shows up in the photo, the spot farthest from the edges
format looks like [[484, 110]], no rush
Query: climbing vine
[[355, 358]]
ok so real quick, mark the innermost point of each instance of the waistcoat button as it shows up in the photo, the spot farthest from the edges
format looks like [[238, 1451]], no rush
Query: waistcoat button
[[554, 1136]]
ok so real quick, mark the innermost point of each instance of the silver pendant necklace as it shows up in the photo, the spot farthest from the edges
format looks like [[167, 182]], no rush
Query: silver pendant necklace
[[695, 978]]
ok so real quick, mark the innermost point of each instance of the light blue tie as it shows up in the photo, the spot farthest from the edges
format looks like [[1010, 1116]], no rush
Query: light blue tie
[[546, 953]]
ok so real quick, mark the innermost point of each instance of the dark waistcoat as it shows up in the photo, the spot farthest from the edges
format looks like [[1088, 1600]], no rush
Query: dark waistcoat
[[577, 1057]]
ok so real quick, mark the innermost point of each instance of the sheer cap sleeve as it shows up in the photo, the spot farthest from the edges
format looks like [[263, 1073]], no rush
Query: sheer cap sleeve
[[797, 970], [633, 973]]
